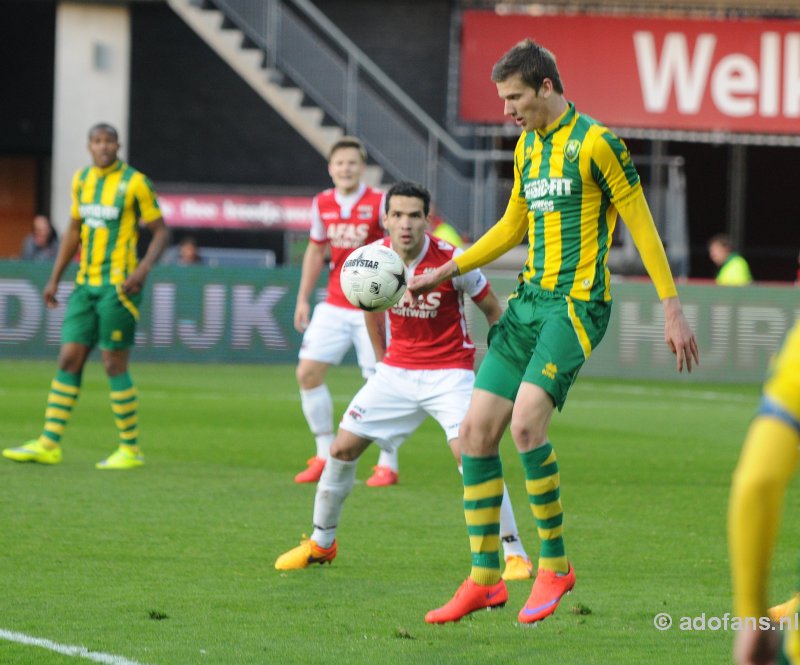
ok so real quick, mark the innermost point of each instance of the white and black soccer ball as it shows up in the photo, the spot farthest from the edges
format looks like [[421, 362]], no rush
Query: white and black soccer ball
[[373, 277]]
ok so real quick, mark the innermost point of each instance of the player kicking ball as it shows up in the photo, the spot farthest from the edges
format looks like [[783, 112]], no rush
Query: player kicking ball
[[427, 369]]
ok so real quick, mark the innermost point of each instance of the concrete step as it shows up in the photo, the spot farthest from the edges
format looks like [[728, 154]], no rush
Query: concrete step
[[248, 63]]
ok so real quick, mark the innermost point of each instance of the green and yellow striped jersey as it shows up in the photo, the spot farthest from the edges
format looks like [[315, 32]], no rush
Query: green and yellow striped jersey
[[570, 180], [109, 203]]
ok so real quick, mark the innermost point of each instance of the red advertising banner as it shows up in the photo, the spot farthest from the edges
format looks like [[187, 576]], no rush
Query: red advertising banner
[[655, 73], [292, 213]]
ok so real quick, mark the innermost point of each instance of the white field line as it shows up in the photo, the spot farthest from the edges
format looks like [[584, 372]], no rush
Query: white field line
[[66, 649]]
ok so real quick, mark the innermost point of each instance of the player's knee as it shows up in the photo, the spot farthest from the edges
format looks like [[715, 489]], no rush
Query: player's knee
[[474, 439], [344, 452], [528, 435], [309, 376], [71, 359]]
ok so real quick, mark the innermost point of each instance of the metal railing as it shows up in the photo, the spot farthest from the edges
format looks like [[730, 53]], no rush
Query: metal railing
[[300, 42]]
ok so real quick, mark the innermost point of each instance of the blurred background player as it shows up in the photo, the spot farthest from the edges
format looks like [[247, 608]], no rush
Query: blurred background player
[[571, 177], [41, 244], [342, 218], [444, 231], [733, 269], [767, 463], [427, 369], [108, 200]]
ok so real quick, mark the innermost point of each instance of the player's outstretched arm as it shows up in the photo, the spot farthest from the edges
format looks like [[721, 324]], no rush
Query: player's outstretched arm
[[420, 284], [678, 334], [313, 261]]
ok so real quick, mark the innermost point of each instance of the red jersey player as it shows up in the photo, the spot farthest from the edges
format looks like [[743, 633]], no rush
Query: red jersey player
[[344, 217], [427, 369]]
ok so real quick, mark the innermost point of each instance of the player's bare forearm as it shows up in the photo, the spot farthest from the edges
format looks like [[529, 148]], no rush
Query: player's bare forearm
[[491, 308], [679, 335], [66, 250], [313, 261], [157, 245], [376, 328], [155, 249], [419, 284]]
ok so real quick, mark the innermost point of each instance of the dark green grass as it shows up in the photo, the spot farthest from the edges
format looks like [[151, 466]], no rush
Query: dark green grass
[[173, 563]]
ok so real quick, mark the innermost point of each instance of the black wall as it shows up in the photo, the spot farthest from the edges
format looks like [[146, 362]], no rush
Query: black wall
[[408, 40], [194, 120], [27, 49], [772, 227]]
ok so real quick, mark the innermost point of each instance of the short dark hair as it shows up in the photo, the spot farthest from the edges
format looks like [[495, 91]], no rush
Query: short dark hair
[[721, 239], [412, 189], [348, 142], [104, 127], [532, 61]]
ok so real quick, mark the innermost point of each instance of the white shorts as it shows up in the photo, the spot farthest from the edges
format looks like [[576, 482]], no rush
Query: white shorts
[[330, 334], [394, 402]]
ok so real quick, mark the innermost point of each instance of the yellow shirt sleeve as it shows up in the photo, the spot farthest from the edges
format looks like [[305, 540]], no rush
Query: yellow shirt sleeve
[[145, 196], [507, 232], [766, 466], [637, 217], [621, 183], [74, 209]]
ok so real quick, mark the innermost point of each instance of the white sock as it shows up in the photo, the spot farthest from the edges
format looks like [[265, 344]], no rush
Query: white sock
[[317, 406], [509, 536], [333, 488], [389, 459]]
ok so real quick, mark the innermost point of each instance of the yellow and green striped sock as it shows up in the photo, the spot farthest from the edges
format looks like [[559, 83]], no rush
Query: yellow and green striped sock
[[64, 391], [483, 494], [124, 404], [544, 493]]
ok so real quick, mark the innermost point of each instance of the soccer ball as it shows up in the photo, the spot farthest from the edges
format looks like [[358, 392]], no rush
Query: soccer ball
[[373, 277]]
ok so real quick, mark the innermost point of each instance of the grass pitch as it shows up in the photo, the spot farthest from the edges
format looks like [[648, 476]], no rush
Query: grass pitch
[[172, 564]]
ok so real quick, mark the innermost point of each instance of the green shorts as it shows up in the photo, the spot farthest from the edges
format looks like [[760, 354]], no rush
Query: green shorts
[[101, 316], [542, 338]]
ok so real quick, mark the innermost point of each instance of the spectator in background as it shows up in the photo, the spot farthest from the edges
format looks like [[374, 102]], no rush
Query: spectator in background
[[189, 252], [41, 244], [443, 230], [733, 269]]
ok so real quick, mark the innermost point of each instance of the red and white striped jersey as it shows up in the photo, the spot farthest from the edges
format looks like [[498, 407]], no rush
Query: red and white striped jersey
[[345, 222], [432, 333]]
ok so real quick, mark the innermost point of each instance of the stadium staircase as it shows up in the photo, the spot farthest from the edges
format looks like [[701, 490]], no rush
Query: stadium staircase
[[313, 75]]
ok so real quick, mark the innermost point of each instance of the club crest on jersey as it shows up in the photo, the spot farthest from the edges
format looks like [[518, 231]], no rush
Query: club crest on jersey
[[572, 149], [364, 212]]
